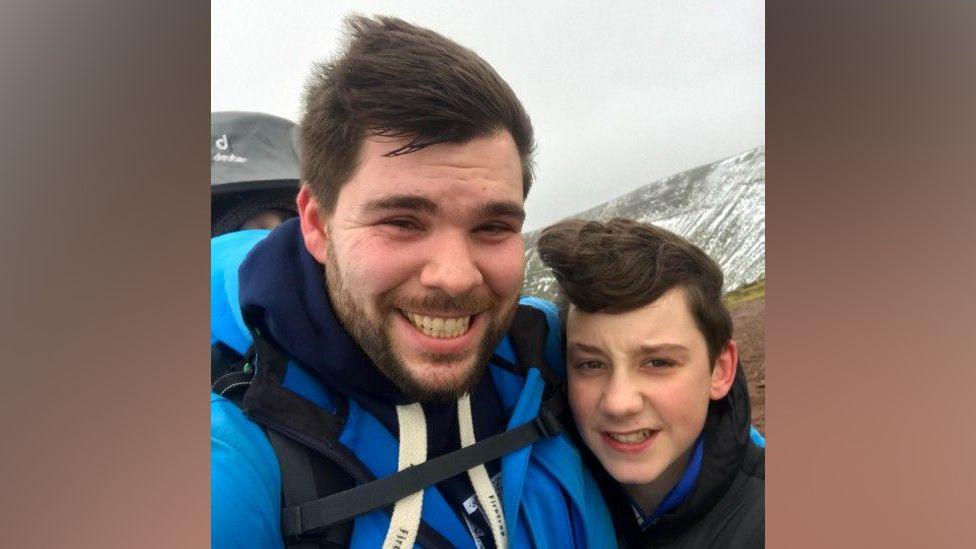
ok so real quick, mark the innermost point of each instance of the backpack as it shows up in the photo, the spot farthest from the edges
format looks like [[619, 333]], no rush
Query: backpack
[[324, 485]]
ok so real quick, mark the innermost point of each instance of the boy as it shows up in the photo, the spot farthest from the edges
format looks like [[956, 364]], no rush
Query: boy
[[654, 385]]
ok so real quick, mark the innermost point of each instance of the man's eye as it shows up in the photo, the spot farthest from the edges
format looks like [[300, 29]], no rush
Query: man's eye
[[494, 228], [406, 224]]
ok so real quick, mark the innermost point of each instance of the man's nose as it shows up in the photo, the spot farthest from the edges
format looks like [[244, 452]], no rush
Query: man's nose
[[621, 397], [452, 266]]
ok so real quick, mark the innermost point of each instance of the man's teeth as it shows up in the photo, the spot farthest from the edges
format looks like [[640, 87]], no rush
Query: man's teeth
[[439, 327], [631, 438]]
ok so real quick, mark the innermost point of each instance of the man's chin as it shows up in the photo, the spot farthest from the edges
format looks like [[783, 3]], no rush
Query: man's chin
[[441, 378], [433, 369]]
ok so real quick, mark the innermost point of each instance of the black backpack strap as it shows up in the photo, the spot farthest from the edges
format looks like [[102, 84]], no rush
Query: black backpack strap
[[316, 431], [343, 506], [529, 333], [297, 479], [304, 477], [303, 433]]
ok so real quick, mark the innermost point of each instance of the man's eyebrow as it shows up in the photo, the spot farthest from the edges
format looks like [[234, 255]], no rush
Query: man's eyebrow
[[401, 202], [503, 208], [415, 202]]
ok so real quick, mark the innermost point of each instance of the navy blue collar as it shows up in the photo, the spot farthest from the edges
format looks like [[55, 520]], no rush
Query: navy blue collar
[[677, 494]]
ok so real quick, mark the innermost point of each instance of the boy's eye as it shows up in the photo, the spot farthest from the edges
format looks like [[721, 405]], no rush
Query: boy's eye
[[659, 363], [589, 365]]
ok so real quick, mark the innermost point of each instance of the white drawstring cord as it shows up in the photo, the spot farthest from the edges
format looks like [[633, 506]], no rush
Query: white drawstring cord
[[490, 502], [413, 450]]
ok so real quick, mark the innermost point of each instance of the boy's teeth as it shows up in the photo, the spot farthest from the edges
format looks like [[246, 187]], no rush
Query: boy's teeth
[[439, 327], [631, 438]]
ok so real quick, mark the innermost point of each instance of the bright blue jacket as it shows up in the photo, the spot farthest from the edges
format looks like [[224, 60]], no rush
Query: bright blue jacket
[[549, 499]]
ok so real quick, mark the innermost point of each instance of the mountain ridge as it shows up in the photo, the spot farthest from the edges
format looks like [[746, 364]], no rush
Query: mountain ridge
[[720, 206]]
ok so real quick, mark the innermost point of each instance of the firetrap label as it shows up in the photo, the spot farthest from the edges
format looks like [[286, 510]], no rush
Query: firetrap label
[[476, 518]]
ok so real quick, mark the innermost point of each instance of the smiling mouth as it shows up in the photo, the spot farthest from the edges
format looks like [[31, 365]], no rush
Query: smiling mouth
[[439, 327], [634, 437]]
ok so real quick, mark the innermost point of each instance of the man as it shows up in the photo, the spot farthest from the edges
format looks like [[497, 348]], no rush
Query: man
[[254, 171], [379, 322], [654, 385]]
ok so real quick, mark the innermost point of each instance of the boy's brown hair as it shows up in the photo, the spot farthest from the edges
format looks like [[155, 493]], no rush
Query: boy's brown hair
[[620, 265], [401, 81]]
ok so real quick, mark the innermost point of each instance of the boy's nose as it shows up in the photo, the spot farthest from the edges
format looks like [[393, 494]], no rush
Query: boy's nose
[[621, 398]]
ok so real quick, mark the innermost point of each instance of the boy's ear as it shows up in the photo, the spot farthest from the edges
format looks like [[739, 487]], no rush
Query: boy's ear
[[723, 374], [313, 223]]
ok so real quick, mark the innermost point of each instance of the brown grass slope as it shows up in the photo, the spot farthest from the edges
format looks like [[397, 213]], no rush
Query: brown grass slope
[[747, 305]]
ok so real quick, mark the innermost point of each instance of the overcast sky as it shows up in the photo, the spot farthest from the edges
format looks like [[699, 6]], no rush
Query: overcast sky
[[621, 93]]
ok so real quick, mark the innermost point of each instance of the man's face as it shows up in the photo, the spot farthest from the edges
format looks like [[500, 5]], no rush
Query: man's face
[[639, 387], [424, 258]]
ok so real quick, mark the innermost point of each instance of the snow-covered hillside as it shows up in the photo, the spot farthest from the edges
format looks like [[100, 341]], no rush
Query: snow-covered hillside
[[720, 206]]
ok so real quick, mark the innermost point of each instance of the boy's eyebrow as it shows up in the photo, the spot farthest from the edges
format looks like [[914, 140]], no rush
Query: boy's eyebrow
[[662, 347], [401, 202], [584, 347], [641, 349]]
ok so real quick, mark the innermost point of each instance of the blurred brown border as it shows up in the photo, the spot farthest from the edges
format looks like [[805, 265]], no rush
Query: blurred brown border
[[105, 113], [870, 261]]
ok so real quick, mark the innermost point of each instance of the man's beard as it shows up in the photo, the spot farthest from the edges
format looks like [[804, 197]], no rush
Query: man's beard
[[373, 335]]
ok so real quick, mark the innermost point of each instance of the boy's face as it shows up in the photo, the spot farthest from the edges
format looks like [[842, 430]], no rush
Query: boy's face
[[639, 386]]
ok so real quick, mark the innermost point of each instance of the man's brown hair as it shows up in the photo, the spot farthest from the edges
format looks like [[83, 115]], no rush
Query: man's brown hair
[[620, 265], [401, 81]]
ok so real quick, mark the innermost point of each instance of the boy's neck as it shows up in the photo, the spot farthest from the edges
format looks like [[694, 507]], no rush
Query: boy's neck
[[648, 496]]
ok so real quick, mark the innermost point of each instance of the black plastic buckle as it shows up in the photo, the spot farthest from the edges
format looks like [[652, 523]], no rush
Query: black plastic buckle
[[546, 423]]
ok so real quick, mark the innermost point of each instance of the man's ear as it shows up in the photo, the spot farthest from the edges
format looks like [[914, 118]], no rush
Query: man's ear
[[313, 223], [723, 374]]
